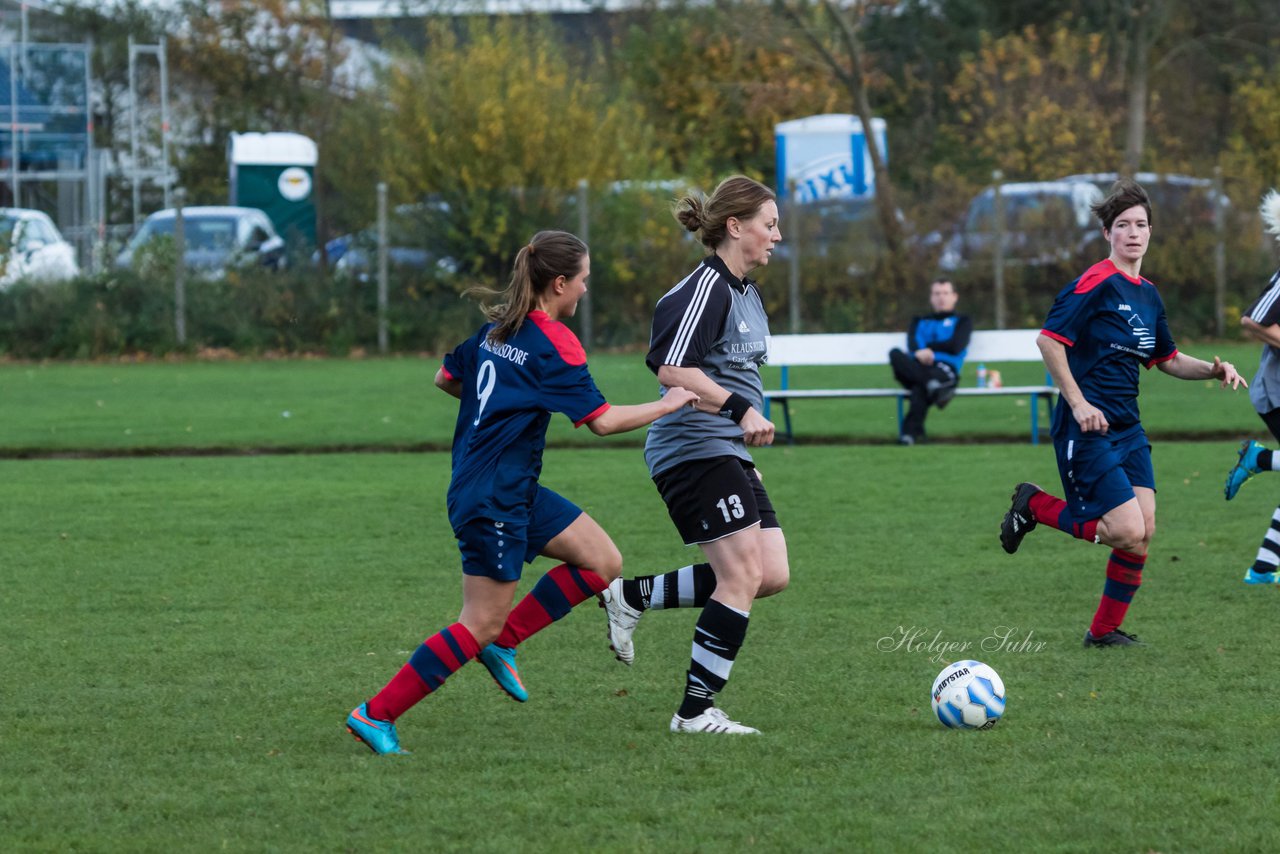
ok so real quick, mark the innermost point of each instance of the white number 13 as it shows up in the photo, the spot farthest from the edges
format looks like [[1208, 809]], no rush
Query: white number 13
[[733, 507]]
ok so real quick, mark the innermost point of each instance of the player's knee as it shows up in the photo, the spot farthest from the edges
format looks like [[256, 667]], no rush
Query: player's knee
[[608, 563], [1131, 537], [485, 630], [742, 580], [775, 578]]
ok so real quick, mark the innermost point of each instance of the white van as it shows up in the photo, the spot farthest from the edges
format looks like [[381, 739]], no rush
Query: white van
[[1174, 198]]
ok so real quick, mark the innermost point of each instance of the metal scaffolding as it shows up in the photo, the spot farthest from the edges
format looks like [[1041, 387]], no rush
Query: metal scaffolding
[[137, 173]]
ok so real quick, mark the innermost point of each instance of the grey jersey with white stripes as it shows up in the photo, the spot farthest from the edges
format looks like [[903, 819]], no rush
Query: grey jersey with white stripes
[[1264, 391], [715, 322]]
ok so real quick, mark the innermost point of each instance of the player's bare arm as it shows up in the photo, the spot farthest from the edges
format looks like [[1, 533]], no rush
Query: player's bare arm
[[1088, 416], [620, 419], [449, 385], [1186, 367]]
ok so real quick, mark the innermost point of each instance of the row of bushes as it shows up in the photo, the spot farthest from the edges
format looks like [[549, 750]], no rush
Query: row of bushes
[[252, 312], [304, 309]]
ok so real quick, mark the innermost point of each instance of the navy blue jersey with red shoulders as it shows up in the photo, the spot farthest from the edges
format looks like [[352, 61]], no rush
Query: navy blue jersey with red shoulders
[[509, 391], [1110, 324]]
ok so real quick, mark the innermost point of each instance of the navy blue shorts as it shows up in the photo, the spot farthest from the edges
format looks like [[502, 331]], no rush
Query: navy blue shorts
[[1099, 471], [499, 549]]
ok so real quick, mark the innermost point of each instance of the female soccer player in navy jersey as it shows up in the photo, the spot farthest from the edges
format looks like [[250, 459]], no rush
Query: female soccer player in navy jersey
[[509, 377], [1101, 328], [709, 336], [1262, 321]]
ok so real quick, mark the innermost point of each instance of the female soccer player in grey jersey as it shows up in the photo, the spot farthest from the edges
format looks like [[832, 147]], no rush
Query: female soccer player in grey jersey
[[1262, 321], [709, 336]]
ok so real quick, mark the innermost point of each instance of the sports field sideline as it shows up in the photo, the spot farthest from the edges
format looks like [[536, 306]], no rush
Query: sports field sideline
[[306, 404]]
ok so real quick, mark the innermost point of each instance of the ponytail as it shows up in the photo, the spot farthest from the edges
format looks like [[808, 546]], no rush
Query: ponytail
[[549, 255]]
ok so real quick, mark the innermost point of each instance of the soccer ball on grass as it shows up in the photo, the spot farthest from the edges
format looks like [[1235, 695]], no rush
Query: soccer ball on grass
[[968, 695]]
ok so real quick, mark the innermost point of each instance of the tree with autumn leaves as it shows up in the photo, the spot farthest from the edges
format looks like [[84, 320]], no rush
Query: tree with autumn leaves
[[497, 119]]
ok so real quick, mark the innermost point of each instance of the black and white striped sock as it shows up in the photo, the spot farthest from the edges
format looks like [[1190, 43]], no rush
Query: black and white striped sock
[[1269, 552], [686, 587], [718, 636]]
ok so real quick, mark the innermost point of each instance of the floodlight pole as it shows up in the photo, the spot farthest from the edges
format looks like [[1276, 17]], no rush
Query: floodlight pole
[[793, 268], [133, 131], [382, 267], [15, 150], [998, 178], [180, 271], [90, 158], [1219, 255], [584, 223], [162, 53]]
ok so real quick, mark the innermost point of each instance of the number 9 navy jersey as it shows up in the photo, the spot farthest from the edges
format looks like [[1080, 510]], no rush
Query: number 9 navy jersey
[[509, 391]]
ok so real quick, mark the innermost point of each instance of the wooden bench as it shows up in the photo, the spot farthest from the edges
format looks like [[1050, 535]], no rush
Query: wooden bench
[[872, 348]]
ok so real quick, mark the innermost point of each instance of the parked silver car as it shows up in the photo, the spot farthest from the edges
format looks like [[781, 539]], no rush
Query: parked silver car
[[1174, 198], [32, 248], [1044, 222], [217, 238]]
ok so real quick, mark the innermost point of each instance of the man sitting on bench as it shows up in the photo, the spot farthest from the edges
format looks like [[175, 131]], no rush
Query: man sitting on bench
[[930, 370]]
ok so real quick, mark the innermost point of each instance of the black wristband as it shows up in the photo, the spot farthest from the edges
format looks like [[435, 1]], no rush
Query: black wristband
[[735, 407]]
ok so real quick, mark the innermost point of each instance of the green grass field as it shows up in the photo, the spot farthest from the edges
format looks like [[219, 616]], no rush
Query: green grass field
[[182, 638]]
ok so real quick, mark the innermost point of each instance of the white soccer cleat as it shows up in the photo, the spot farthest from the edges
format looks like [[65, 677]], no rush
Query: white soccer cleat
[[712, 720], [622, 621]]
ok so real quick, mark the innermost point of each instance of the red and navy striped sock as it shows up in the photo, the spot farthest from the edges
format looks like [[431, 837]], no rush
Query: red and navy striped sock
[[436, 660], [1053, 511], [1124, 576], [551, 598]]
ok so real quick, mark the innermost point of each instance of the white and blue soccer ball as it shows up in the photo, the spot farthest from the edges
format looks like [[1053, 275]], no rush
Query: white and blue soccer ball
[[968, 695]]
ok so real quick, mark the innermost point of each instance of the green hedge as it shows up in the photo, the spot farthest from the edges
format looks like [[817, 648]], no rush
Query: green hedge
[[634, 261], [250, 311]]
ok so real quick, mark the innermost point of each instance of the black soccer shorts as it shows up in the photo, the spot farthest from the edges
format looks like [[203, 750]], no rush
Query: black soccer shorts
[[713, 498]]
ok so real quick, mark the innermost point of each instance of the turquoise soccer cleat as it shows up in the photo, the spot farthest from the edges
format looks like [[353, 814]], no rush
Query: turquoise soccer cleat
[[378, 736], [501, 664], [1245, 467], [1252, 577]]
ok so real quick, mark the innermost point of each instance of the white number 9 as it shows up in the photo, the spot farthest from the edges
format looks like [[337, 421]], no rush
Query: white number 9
[[485, 381]]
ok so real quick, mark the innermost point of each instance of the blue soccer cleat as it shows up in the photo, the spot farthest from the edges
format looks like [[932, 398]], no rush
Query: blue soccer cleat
[[378, 736], [1252, 577], [1245, 468], [501, 664]]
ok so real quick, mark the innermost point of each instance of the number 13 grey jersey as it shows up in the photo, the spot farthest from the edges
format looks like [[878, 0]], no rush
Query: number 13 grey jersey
[[716, 322], [1264, 391]]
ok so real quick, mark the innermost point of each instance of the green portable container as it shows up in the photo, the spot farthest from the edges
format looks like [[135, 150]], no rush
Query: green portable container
[[275, 172]]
